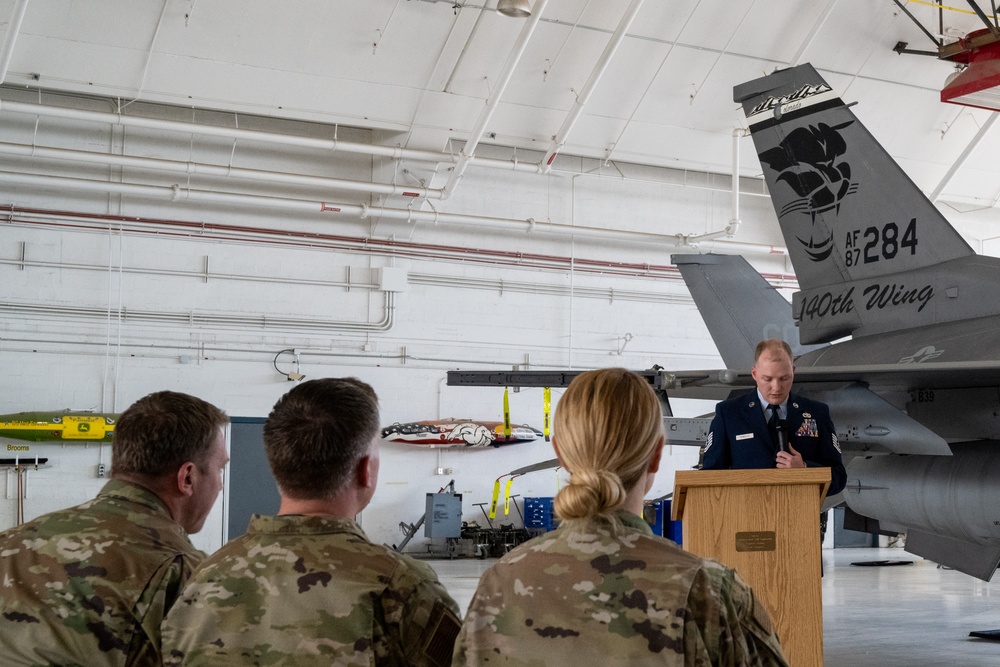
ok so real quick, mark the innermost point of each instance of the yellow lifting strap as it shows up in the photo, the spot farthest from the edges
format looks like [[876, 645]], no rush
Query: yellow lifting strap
[[506, 413], [547, 411], [506, 497], [496, 497]]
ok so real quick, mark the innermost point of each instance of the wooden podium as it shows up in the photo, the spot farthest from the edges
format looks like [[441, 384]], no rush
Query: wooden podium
[[765, 524]]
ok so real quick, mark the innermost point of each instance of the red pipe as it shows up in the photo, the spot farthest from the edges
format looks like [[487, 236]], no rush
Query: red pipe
[[368, 244]]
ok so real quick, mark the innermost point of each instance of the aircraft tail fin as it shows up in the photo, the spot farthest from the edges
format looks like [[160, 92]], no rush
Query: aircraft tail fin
[[859, 232], [738, 305]]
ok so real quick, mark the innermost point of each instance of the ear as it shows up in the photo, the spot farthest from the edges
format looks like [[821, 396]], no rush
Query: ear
[[186, 476], [364, 472], [654, 461]]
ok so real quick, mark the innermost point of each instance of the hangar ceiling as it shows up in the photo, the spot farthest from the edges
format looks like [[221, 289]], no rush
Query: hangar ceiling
[[423, 70]]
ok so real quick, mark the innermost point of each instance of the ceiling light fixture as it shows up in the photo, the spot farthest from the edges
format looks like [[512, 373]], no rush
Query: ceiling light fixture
[[515, 8]]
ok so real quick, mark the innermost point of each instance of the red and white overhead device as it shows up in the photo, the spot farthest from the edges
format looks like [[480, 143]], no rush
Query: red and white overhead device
[[978, 85]]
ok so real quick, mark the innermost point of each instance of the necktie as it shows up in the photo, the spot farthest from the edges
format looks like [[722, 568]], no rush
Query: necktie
[[772, 424]]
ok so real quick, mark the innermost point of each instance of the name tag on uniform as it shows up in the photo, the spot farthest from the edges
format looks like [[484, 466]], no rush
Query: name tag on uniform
[[744, 436]]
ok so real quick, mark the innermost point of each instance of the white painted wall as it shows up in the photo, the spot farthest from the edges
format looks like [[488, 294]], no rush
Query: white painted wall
[[480, 312], [60, 361]]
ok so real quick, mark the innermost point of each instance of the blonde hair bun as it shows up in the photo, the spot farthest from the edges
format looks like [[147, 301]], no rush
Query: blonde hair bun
[[590, 492]]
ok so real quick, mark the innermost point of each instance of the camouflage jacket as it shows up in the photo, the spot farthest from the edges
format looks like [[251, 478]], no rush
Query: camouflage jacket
[[310, 590], [90, 585], [591, 592]]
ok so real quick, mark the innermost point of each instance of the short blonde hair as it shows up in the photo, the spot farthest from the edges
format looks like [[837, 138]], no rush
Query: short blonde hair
[[773, 345], [607, 426]]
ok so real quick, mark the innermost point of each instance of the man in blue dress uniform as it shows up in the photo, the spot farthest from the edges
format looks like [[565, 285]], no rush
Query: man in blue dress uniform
[[744, 432]]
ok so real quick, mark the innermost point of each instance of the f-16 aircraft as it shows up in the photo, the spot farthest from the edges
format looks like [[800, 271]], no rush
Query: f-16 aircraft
[[915, 392]]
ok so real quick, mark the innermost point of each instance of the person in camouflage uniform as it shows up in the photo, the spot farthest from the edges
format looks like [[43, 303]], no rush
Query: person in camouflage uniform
[[306, 587], [602, 587], [90, 585]]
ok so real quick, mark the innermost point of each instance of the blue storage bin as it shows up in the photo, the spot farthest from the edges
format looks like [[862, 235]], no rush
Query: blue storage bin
[[657, 515], [538, 513]]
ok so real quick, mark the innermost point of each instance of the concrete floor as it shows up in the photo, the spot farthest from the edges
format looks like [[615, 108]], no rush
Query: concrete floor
[[898, 616]]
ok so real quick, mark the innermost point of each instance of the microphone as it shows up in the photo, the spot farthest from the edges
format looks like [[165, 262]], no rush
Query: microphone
[[782, 428]]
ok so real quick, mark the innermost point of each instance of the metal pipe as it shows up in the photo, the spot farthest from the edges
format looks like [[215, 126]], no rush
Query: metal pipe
[[125, 120], [807, 42], [450, 282], [734, 222], [389, 247], [177, 166], [181, 273], [976, 140], [737, 134], [469, 150], [559, 140], [229, 132], [362, 211], [226, 321], [696, 240]]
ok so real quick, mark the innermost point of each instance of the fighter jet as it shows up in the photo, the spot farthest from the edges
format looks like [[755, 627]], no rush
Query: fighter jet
[[914, 390]]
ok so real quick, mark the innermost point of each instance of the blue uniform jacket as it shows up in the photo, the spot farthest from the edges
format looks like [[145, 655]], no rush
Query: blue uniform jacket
[[739, 437]]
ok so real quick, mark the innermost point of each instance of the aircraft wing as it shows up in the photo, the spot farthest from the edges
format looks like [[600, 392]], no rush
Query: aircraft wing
[[914, 376], [718, 384]]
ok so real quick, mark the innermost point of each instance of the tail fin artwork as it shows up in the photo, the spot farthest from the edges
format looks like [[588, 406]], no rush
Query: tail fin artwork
[[739, 306], [867, 245]]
